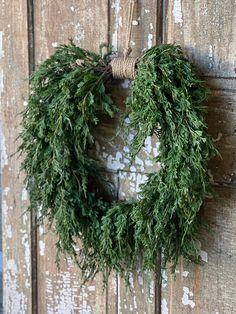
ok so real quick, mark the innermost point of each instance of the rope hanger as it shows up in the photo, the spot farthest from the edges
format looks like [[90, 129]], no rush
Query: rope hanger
[[125, 67]]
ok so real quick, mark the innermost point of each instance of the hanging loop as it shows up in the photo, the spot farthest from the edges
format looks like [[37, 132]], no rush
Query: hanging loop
[[128, 49]]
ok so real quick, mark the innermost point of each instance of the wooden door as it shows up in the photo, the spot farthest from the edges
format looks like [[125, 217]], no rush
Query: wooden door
[[29, 32]]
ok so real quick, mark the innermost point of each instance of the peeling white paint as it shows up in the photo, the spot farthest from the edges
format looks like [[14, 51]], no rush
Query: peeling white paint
[[186, 297], [219, 136], [6, 190], [132, 43], [114, 163], [113, 284], [8, 231], [120, 21], [152, 289], [151, 26], [79, 33], [135, 302], [148, 145], [41, 248], [134, 22], [1, 46], [3, 150], [139, 161], [133, 169], [125, 83], [126, 149], [164, 308], [1, 82], [115, 5], [150, 39], [91, 288], [211, 57], [185, 273], [204, 256], [72, 9], [140, 280], [55, 44], [25, 243], [14, 300], [163, 279], [131, 280], [177, 12], [141, 178], [147, 11], [24, 194], [148, 162]]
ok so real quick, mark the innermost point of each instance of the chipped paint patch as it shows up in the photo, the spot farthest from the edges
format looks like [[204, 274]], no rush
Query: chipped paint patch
[[204, 256], [14, 301], [113, 284], [120, 21], [210, 57], [8, 231], [25, 243], [219, 136], [1, 46], [164, 308], [186, 297], [125, 83], [79, 33], [140, 280], [41, 248], [134, 22], [72, 9], [91, 288], [1, 82], [177, 12], [131, 280], [151, 289], [150, 39], [24, 195], [164, 279], [185, 273], [115, 5], [3, 150], [114, 163], [55, 45]]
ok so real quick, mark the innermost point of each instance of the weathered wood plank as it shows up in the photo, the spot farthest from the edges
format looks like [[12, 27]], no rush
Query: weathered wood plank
[[221, 120], [206, 30], [210, 288], [86, 22], [14, 70], [140, 298], [113, 149], [144, 32]]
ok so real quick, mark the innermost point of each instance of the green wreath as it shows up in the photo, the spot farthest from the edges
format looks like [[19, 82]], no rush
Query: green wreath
[[69, 92]]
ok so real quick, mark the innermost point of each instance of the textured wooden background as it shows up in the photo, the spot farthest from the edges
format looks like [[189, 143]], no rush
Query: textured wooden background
[[29, 32]]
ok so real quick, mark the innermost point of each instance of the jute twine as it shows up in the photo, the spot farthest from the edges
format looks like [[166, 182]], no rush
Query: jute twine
[[125, 67]]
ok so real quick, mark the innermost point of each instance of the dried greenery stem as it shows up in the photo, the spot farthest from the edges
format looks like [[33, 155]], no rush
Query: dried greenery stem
[[63, 180]]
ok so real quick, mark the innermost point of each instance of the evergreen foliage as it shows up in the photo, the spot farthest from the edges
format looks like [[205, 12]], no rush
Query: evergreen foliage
[[69, 91]]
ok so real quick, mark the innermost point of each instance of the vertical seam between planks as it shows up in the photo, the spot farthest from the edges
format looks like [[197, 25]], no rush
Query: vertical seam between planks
[[160, 39], [31, 65]]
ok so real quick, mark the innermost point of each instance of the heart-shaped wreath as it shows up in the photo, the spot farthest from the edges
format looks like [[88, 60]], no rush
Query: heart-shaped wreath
[[69, 91]]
